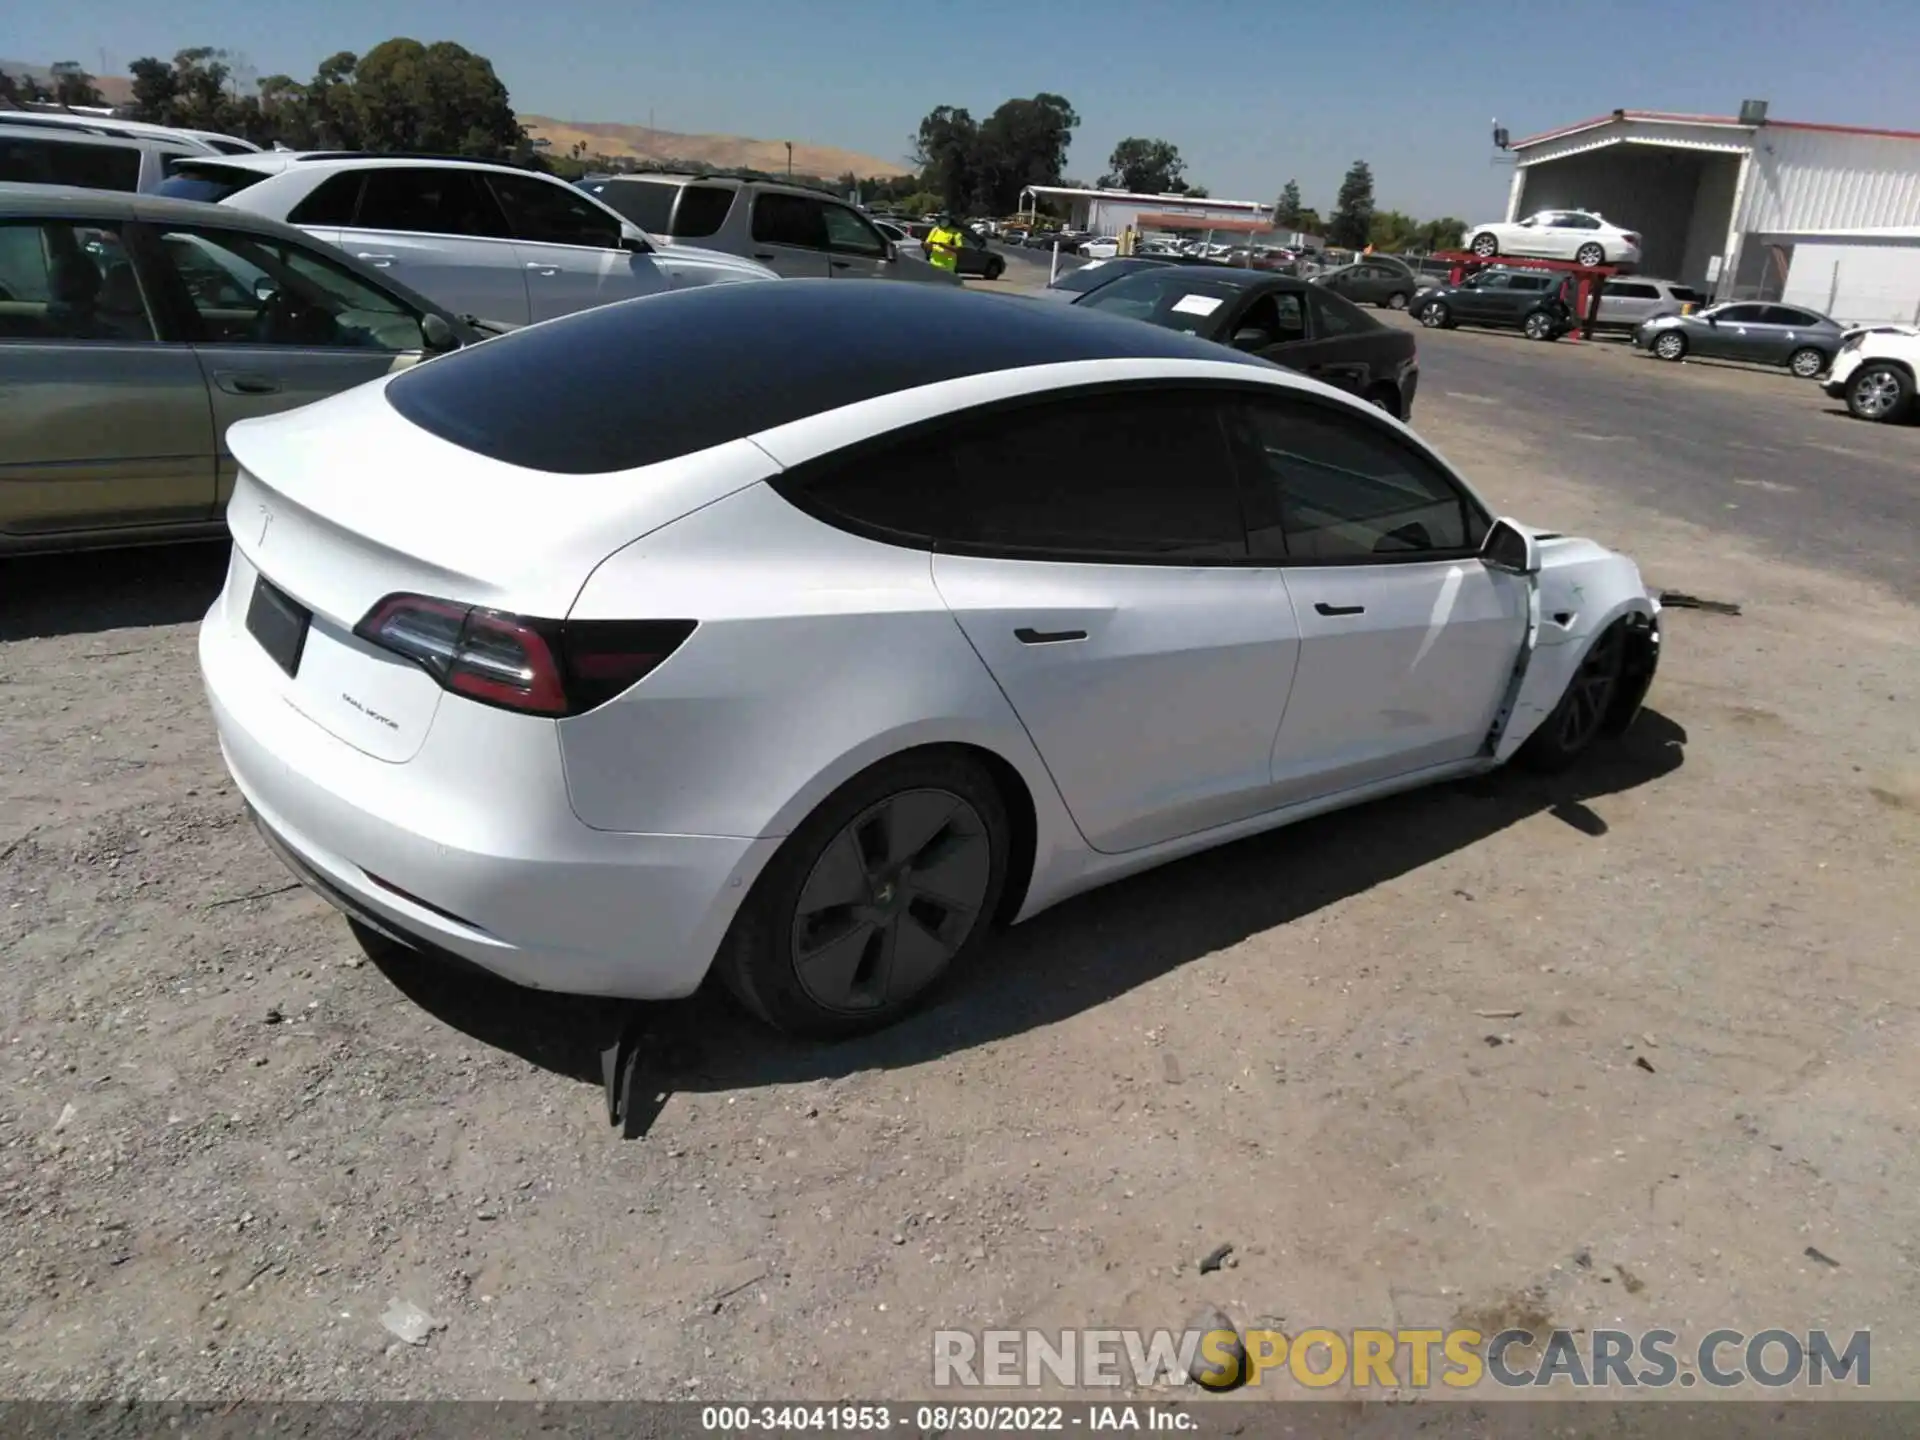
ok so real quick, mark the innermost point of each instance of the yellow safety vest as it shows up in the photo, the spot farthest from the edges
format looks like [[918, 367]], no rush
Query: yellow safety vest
[[944, 248]]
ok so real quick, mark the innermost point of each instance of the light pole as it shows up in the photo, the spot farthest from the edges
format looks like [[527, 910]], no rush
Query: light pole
[[789, 159]]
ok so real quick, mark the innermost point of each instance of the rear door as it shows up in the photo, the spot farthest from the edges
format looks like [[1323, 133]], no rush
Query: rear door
[[1789, 330], [1093, 550], [1736, 332], [569, 247], [1406, 639], [856, 251], [279, 325], [439, 230], [789, 235], [1521, 294], [103, 423]]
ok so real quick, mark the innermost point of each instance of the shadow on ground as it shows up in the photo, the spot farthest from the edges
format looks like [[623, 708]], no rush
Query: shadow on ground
[[109, 589], [1066, 961]]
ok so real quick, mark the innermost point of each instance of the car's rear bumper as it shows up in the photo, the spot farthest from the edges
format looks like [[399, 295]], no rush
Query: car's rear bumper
[[510, 880]]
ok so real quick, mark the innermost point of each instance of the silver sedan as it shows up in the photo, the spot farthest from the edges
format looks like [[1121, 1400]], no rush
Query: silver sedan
[[1769, 334]]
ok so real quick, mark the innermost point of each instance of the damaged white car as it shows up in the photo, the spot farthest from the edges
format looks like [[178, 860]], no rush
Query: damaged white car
[[622, 648]]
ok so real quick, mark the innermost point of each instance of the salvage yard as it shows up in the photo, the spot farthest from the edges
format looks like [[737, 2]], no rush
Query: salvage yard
[[1636, 1047]]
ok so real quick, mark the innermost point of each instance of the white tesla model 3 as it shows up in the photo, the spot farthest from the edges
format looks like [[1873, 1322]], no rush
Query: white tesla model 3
[[809, 630]]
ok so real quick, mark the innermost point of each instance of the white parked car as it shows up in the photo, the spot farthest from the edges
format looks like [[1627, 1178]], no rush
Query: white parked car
[[481, 239], [1101, 247], [1582, 236], [1874, 372], [621, 648]]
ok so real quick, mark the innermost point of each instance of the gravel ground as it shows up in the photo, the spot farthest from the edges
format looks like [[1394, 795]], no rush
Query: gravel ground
[[1615, 1050]]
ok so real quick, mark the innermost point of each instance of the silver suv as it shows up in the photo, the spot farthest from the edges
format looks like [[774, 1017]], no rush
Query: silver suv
[[1630, 300], [800, 233], [35, 154]]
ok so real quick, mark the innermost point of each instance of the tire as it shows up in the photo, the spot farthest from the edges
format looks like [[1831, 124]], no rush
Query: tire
[[1581, 716], [1881, 393], [1590, 254], [996, 269], [1387, 398], [1540, 326], [1807, 362], [1398, 300], [1435, 315], [1670, 345], [853, 882], [1486, 245]]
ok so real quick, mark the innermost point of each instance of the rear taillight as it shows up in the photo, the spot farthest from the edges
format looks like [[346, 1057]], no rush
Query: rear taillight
[[1631, 239], [1853, 341], [539, 667]]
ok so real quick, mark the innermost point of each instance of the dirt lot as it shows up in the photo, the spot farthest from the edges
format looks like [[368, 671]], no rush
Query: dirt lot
[[1612, 1051]]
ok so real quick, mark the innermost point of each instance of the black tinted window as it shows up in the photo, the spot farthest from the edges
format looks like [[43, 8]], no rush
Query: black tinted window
[[702, 211], [1132, 476], [789, 220], [547, 212], [333, 203], [1742, 314], [1337, 315], [427, 201], [1331, 486], [647, 203], [1687, 295], [68, 281], [1798, 319], [33, 161], [1530, 282], [900, 491], [1629, 290]]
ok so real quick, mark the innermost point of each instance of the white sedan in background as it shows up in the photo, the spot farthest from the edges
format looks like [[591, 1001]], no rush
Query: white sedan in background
[[1582, 236], [621, 648], [1103, 247]]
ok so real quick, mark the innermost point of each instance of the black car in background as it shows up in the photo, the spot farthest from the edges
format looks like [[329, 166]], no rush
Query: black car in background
[[1537, 303], [1289, 321], [1377, 280], [1070, 285]]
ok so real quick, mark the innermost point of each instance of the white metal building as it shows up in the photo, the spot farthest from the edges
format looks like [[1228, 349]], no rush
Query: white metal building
[[1109, 212], [1745, 205]]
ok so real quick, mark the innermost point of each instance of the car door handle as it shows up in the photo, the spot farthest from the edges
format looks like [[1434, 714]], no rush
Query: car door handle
[[380, 262], [840, 264], [1027, 635], [238, 384], [541, 268], [763, 255], [1323, 608]]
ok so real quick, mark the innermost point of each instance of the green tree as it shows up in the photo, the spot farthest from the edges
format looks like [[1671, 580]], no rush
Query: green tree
[[1145, 167], [441, 99], [74, 86], [1022, 143], [946, 149], [1353, 208], [1287, 209], [22, 89], [1309, 222]]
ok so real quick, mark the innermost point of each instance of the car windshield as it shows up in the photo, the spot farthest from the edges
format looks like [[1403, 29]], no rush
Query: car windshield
[[1174, 297], [1090, 277]]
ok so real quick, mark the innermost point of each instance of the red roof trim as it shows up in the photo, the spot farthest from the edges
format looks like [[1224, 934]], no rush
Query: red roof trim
[[1731, 121]]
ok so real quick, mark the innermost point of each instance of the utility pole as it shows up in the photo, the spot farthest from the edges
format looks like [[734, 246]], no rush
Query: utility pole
[[789, 159]]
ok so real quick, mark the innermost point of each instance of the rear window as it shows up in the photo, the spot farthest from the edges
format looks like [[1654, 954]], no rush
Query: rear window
[[702, 211], [647, 203], [32, 160], [1687, 294], [197, 180], [1171, 296]]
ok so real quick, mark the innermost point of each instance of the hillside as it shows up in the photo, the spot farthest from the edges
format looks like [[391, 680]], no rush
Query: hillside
[[115, 89], [723, 152]]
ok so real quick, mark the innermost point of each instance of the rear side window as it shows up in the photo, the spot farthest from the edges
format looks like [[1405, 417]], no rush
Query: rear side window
[[1529, 282], [65, 281], [789, 220], [333, 203], [33, 161], [1336, 315], [647, 203], [702, 211], [426, 201], [1137, 477], [1630, 290], [208, 183], [550, 213]]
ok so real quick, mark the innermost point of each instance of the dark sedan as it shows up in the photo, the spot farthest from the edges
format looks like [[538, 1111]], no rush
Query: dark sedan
[[1377, 280], [1280, 318], [1804, 341], [1085, 279]]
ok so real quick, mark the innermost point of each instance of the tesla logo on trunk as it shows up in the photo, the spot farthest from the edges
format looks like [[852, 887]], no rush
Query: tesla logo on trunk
[[266, 524]]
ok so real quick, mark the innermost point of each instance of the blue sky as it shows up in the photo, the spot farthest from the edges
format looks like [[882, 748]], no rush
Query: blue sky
[[1252, 91]]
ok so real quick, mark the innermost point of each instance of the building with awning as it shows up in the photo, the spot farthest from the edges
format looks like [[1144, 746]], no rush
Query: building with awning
[[1112, 212]]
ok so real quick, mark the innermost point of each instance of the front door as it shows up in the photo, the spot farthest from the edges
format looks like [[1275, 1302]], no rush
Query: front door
[[789, 235], [280, 325], [856, 251], [1481, 298], [1735, 332], [1406, 638], [570, 248], [102, 423], [440, 231], [1097, 561]]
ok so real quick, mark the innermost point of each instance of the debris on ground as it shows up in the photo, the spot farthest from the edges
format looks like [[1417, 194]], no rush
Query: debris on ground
[[1679, 600], [1215, 1258], [1498, 1014], [407, 1321], [1221, 1364], [1644, 1063], [1813, 1254], [1632, 1281]]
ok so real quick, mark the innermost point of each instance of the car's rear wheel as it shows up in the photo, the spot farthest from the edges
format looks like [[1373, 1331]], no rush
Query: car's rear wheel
[[1590, 254], [1880, 392], [1540, 326], [1435, 315], [1580, 717], [996, 268], [1807, 362], [1486, 245], [887, 886], [1397, 300], [1387, 398], [1670, 345]]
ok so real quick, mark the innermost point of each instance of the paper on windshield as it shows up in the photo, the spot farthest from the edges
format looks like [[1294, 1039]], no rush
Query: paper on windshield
[[1093, 265], [1197, 304]]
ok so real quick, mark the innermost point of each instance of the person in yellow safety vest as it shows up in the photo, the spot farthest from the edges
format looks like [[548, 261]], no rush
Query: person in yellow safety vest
[[943, 244]]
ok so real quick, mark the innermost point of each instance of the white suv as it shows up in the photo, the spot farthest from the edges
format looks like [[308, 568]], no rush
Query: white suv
[[1874, 372], [1583, 236], [481, 239]]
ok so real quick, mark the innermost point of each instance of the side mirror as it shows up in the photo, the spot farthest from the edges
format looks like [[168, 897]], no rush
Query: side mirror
[[1511, 549], [264, 289], [633, 241], [893, 250], [1251, 339], [438, 335]]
